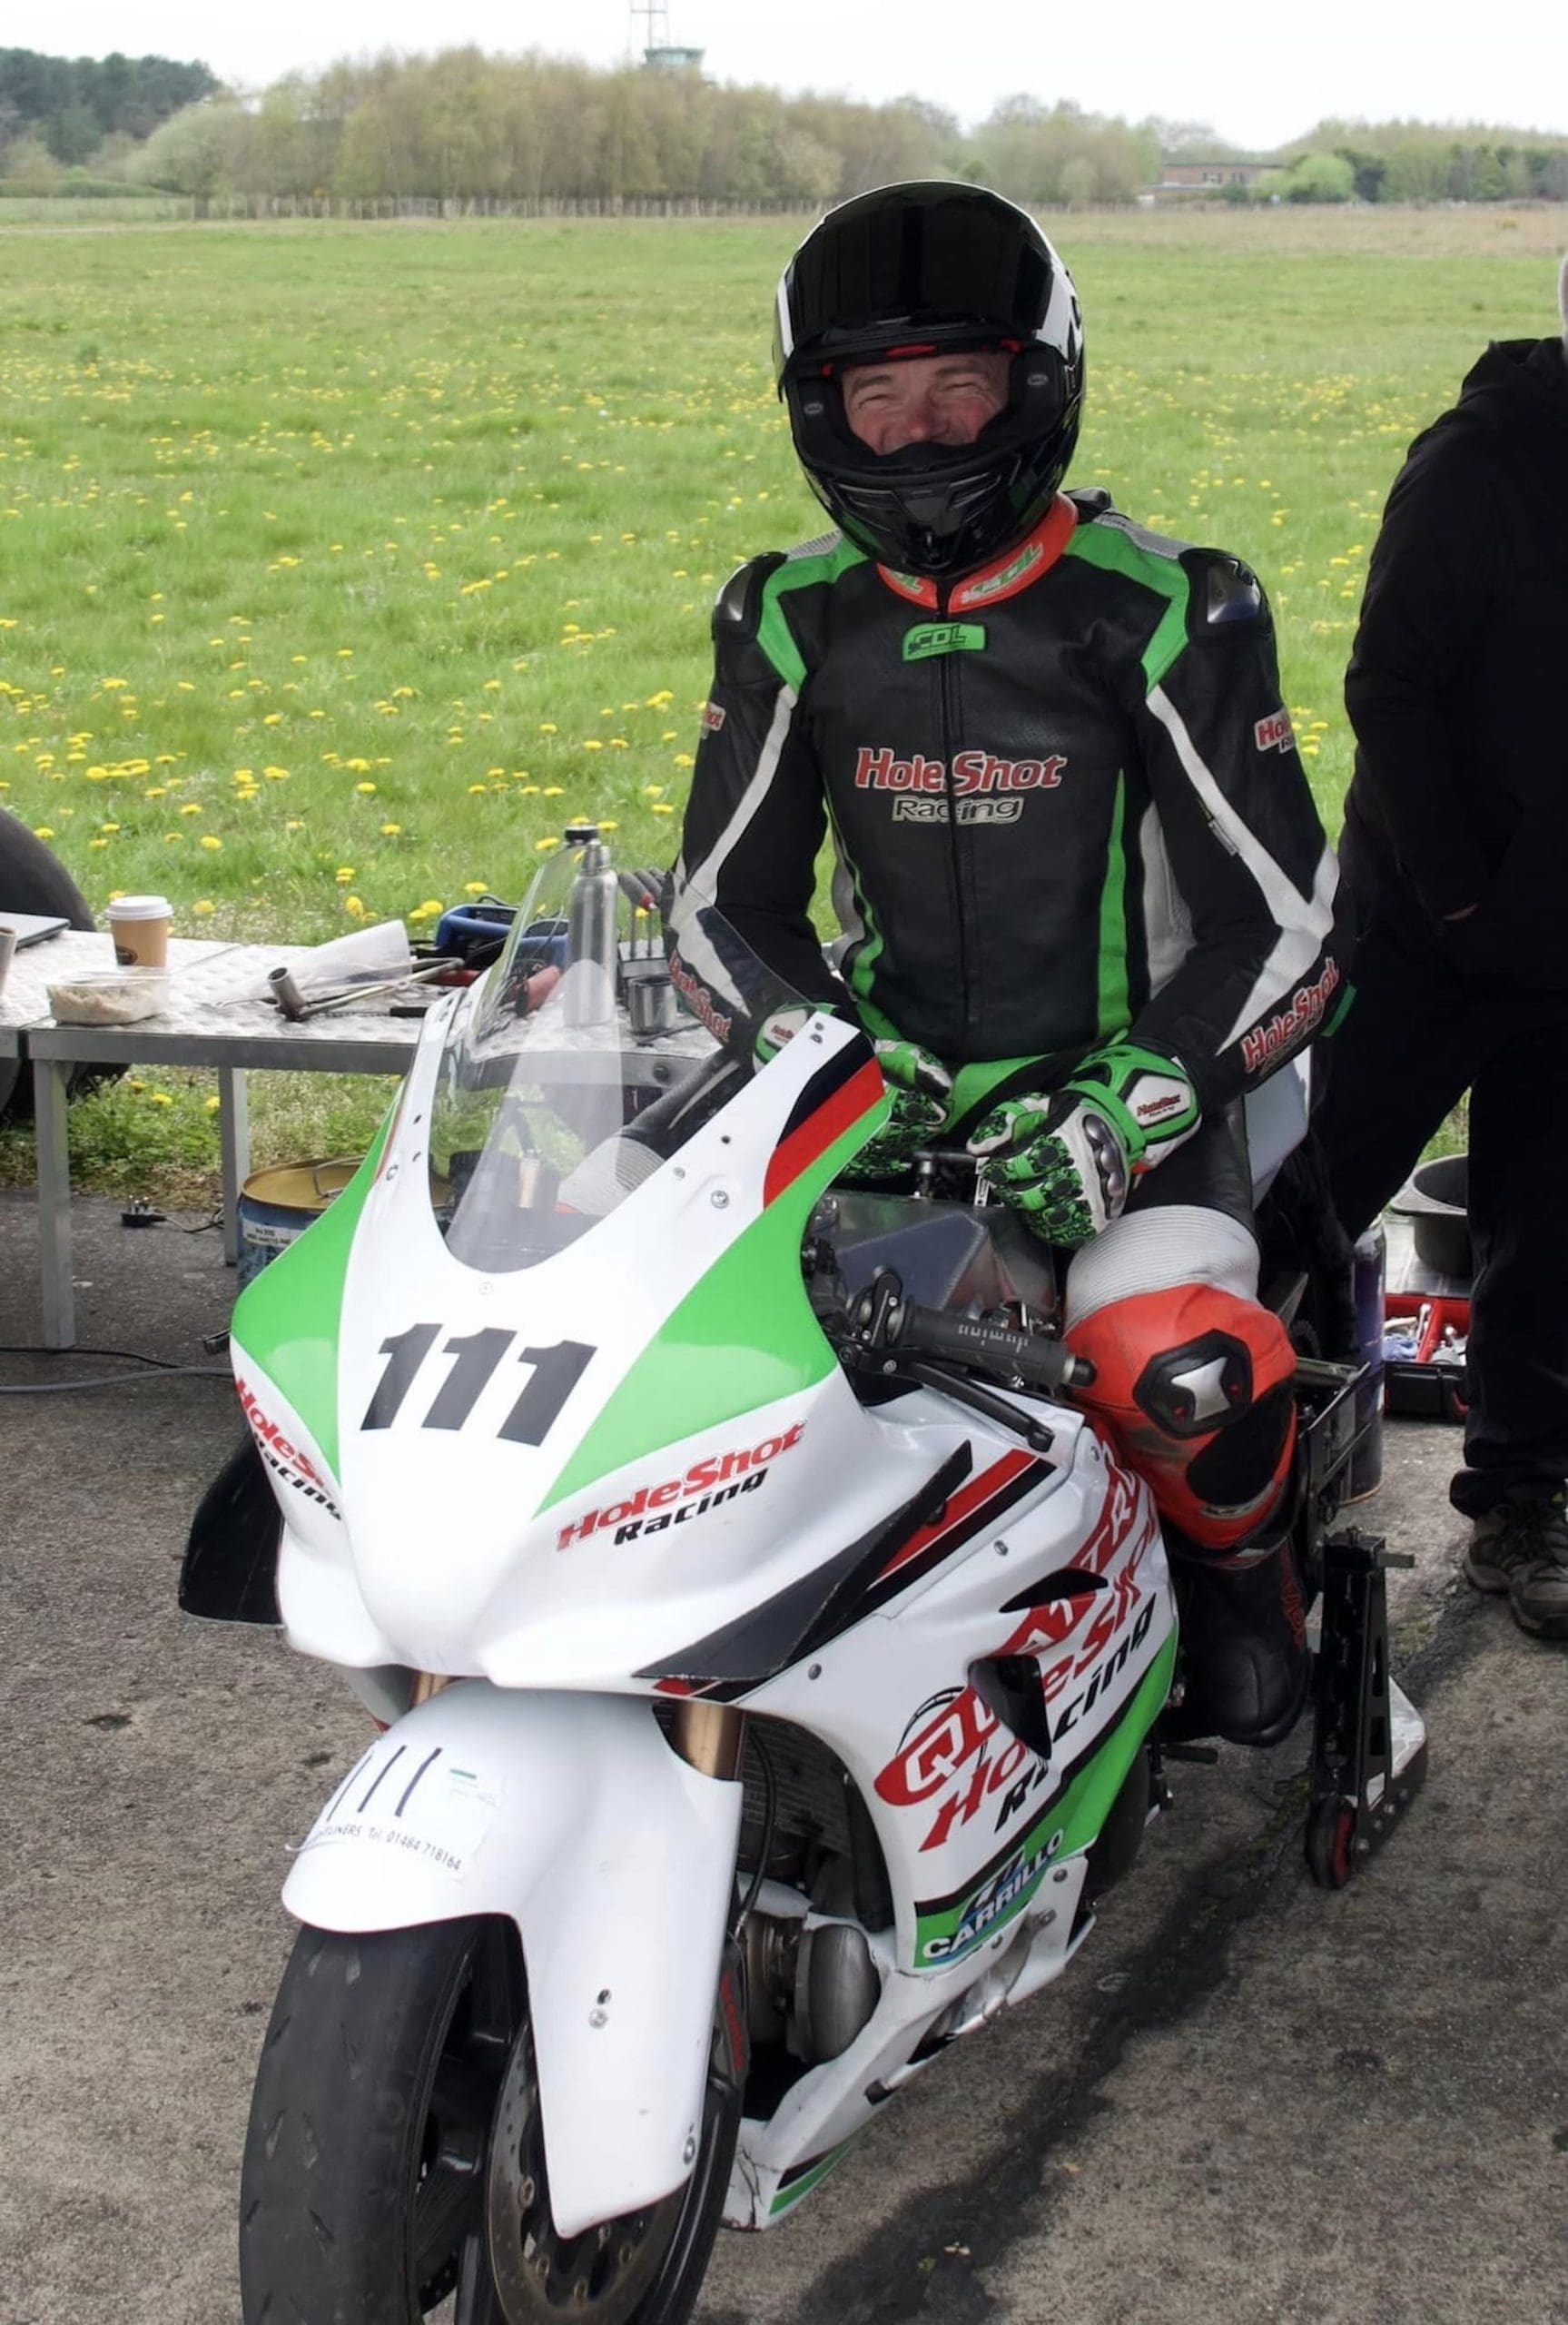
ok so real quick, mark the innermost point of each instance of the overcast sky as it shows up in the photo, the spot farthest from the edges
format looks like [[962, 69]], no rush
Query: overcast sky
[[1257, 74]]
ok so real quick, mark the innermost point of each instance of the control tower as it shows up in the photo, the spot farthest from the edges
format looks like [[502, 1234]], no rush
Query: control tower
[[651, 31]]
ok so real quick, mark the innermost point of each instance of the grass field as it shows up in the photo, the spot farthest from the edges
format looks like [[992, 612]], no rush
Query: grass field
[[340, 565]]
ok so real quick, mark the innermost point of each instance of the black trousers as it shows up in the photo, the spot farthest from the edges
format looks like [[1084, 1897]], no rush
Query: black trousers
[[1417, 1037]]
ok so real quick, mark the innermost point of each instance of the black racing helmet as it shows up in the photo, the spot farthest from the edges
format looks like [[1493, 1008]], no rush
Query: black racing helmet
[[915, 270]]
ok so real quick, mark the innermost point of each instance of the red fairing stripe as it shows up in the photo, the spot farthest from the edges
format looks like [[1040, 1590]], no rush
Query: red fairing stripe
[[820, 1130], [962, 1506]]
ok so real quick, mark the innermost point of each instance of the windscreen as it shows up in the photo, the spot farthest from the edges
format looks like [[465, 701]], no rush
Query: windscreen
[[538, 1128]]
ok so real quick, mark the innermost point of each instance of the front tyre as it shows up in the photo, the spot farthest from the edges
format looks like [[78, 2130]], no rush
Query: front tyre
[[394, 2157]]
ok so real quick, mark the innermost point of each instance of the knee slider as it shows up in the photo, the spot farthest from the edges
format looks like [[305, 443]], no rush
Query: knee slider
[[1196, 1385]]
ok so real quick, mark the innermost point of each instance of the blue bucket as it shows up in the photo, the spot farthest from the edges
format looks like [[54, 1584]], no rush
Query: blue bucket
[[277, 1205]]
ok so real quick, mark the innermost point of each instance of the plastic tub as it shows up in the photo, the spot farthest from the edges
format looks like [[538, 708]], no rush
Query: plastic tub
[[109, 996]]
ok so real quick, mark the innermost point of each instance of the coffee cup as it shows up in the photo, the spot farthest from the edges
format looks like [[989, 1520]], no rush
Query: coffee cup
[[139, 926]]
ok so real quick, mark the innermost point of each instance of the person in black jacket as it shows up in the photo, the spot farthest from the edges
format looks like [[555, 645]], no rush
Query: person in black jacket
[[1086, 900], [1455, 851]]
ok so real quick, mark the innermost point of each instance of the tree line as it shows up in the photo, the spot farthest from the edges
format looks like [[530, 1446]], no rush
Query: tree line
[[66, 108], [538, 132]]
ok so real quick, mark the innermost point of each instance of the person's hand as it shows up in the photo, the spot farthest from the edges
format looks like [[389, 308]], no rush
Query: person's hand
[[1057, 1160], [921, 1089], [1066, 1160]]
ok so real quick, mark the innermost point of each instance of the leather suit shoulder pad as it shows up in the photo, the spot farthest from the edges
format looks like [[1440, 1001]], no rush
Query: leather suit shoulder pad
[[737, 608], [1226, 598]]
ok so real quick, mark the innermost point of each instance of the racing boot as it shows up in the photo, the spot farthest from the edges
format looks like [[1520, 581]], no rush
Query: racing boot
[[1521, 1546], [1243, 1633]]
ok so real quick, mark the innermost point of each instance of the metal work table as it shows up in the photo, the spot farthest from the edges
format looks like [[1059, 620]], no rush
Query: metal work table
[[210, 1022]]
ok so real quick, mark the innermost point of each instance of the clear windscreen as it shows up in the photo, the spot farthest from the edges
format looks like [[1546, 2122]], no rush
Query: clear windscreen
[[544, 1116]]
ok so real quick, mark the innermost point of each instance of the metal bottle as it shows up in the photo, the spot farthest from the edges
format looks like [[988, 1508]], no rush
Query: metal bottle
[[591, 940]]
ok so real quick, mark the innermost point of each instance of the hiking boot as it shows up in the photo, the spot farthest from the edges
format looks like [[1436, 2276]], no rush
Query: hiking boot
[[1243, 1633], [1521, 1546]]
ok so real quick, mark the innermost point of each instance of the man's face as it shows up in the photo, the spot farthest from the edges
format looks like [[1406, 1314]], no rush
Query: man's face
[[925, 400]]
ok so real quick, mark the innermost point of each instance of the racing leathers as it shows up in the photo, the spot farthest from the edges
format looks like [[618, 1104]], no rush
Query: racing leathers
[[1069, 816]]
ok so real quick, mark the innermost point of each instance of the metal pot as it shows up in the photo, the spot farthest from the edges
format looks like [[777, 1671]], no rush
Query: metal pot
[[1434, 1199]]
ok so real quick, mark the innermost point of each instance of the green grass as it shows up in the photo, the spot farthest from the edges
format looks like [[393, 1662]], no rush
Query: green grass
[[340, 565]]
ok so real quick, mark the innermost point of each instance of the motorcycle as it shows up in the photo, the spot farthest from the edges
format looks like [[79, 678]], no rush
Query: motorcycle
[[768, 1659]]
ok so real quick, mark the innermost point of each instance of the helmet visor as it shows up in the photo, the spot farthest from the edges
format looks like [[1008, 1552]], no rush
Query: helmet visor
[[912, 268]]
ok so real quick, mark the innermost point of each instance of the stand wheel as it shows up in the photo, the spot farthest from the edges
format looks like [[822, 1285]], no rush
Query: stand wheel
[[1330, 1833]]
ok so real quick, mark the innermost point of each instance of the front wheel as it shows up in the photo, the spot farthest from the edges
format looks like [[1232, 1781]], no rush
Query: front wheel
[[395, 2158]]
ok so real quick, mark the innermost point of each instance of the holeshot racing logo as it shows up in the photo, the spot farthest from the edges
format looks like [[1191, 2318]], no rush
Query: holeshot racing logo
[[983, 788], [698, 999], [718, 1478], [284, 1461], [1308, 1007]]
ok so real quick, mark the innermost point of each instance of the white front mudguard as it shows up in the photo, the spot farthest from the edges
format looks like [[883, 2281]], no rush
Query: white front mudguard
[[571, 1815]]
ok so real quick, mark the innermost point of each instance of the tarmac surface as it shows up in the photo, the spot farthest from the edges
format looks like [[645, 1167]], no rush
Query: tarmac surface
[[1247, 2100]]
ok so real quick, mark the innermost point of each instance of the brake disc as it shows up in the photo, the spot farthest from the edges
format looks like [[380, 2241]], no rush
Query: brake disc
[[604, 2273]]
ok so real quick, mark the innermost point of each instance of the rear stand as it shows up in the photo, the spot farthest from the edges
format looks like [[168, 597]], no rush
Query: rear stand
[[1369, 1745]]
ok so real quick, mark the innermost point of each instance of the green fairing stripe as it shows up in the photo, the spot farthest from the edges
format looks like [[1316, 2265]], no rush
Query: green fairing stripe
[[1071, 1822], [288, 1317], [773, 633], [785, 2197], [745, 1336], [1112, 550], [1115, 1012]]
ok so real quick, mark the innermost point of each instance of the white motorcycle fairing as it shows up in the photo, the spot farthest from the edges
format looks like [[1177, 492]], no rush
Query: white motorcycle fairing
[[571, 1816], [600, 1547]]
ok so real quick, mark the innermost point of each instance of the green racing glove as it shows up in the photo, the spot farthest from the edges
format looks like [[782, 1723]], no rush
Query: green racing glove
[[1066, 1159], [922, 1090]]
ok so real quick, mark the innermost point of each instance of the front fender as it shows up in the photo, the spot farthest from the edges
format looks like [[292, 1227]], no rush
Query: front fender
[[571, 1815]]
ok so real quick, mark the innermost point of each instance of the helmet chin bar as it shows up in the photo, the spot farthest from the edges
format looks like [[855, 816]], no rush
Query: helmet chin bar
[[940, 509]]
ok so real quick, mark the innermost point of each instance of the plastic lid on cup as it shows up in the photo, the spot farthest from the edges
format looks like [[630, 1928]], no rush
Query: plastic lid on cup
[[140, 908]]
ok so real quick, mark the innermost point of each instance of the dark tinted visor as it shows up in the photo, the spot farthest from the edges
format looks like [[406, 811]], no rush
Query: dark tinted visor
[[914, 264]]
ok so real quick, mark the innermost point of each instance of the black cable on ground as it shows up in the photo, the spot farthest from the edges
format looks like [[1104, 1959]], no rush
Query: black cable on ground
[[112, 1380], [130, 1355]]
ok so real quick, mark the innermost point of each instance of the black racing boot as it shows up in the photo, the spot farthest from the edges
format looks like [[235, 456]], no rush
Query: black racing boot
[[1244, 1632]]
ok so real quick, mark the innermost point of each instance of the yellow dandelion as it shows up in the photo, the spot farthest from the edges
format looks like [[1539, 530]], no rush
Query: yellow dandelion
[[543, 846], [367, 789], [204, 909], [475, 889], [391, 831], [344, 874], [211, 840]]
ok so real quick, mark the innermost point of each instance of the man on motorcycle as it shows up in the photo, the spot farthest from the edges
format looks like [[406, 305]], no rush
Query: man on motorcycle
[[1087, 900]]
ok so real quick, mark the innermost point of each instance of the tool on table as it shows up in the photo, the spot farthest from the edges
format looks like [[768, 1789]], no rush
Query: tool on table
[[296, 1006]]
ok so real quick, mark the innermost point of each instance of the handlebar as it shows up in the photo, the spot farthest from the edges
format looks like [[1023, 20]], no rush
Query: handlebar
[[882, 1319]]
